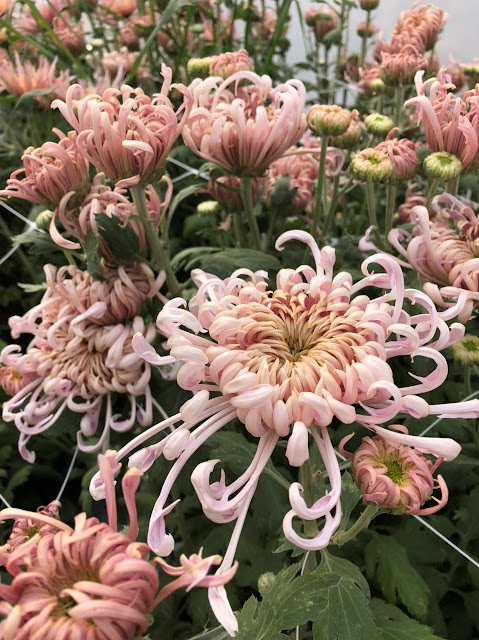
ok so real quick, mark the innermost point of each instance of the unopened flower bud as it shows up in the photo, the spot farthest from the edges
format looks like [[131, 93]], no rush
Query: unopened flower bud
[[329, 120], [367, 29], [472, 72], [378, 125], [265, 581], [43, 219], [199, 67], [226, 64], [197, 28], [466, 351], [378, 86], [396, 477], [208, 208], [442, 165], [97, 43], [348, 140], [371, 164], [368, 5]]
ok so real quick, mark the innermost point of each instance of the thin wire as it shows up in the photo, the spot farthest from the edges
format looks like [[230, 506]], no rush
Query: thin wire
[[67, 477], [2, 499], [439, 419], [27, 221], [447, 541], [205, 176], [9, 253]]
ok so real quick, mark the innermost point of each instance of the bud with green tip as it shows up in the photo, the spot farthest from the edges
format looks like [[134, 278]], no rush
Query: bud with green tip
[[199, 67], [207, 208], [348, 140], [368, 5], [371, 165], [265, 581], [43, 220], [329, 120], [378, 125], [442, 166]]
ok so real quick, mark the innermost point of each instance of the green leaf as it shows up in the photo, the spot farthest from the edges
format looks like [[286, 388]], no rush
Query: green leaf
[[350, 496], [41, 243], [188, 258], [288, 602], [393, 624], [347, 615], [122, 240], [214, 634], [387, 561], [93, 262], [224, 263], [236, 452]]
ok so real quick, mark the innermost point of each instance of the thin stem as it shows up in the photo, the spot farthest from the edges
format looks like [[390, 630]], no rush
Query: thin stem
[[431, 190], [160, 256], [452, 185], [332, 207], [373, 221], [398, 105], [361, 523], [238, 228], [247, 197], [319, 185], [340, 43], [310, 527], [364, 43], [467, 380], [390, 207]]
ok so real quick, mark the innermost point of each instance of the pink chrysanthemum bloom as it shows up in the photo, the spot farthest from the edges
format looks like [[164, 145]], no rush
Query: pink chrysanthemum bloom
[[428, 21], [412, 198], [395, 476], [402, 153], [81, 354], [121, 63], [226, 64], [287, 363], [77, 219], [444, 252], [23, 77], [243, 129], [70, 34], [370, 80], [125, 133], [399, 69], [50, 172], [322, 19], [90, 582], [122, 8], [450, 122]]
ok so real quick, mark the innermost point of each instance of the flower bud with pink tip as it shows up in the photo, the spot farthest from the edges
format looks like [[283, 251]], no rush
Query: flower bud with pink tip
[[226, 64]]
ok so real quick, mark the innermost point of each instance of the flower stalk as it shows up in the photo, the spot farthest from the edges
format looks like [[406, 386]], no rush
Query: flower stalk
[[371, 204], [361, 523], [247, 197]]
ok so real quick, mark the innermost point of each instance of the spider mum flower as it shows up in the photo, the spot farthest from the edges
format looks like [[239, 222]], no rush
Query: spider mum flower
[[125, 133], [427, 21], [226, 64], [81, 353], [286, 363], [243, 129], [395, 476], [122, 8], [444, 252], [450, 122], [50, 172], [398, 69], [402, 153]]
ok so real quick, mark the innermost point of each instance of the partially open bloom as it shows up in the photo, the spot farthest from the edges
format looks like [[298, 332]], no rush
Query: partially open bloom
[[444, 252], [412, 198], [367, 29], [371, 164], [466, 351], [89, 582], [70, 34], [329, 120], [50, 172], [23, 77], [378, 124], [125, 133], [395, 476], [398, 69], [450, 122], [121, 63], [427, 21], [287, 363], [402, 153], [226, 64], [122, 8], [442, 165], [226, 191], [370, 80], [243, 129], [81, 354]]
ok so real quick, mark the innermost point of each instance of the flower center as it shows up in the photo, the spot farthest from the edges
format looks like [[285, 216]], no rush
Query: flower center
[[394, 469], [63, 607]]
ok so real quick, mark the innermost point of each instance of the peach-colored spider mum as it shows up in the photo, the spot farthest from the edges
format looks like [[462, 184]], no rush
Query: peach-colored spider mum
[[20, 77], [226, 64], [402, 153], [81, 355], [287, 363], [89, 582], [450, 123], [243, 129], [50, 172], [445, 254], [398, 69], [125, 133], [427, 21], [395, 476]]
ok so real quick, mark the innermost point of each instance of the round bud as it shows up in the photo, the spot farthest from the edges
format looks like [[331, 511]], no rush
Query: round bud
[[378, 125], [371, 165], [208, 208], [199, 67], [43, 219], [265, 581], [348, 140], [442, 166], [329, 120], [466, 351], [368, 5]]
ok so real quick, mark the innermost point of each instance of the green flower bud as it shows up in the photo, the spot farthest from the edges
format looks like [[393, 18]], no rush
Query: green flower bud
[[265, 581], [466, 351], [368, 5], [199, 67], [43, 219], [329, 120], [442, 165], [207, 208], [371, 164], [378, 125]]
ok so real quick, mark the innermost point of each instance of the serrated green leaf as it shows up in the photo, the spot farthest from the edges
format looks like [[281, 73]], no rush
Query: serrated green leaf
[[122, 240], [288, 602], [93, 263], [224, 263], [350, 496], [347, 615], [393, 624], [40, 242], [387, 561], [214, 634]]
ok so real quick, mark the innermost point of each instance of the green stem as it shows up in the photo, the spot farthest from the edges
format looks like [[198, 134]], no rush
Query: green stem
[[371, 204], [332, 207], [390, 207], [155, 243], [361, 523], [238, 228], [431, 190], [340, 44], [310, 527], [452, 186], [364, 43], [319, 185], [247, 197], [398, 105]]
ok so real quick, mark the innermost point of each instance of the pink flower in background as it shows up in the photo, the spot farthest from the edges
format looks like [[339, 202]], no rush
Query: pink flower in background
[[226, 64], [243, 129], [402, 153], [444, 252], [231, 200], [428, 21], [50, 172], [322, 19], [450, 123], [23, 77], [70, 34], [395, 476], [286, 363], [125, 133], [398, 69], [81, 355], [122, 8], [121, 63], [412, 198]]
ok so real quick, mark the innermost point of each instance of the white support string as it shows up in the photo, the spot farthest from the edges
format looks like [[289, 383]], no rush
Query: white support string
[[10, 209], [447, 541]]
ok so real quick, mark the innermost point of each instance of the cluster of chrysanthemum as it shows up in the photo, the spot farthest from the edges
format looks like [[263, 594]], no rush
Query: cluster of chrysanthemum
[[88, 581]]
